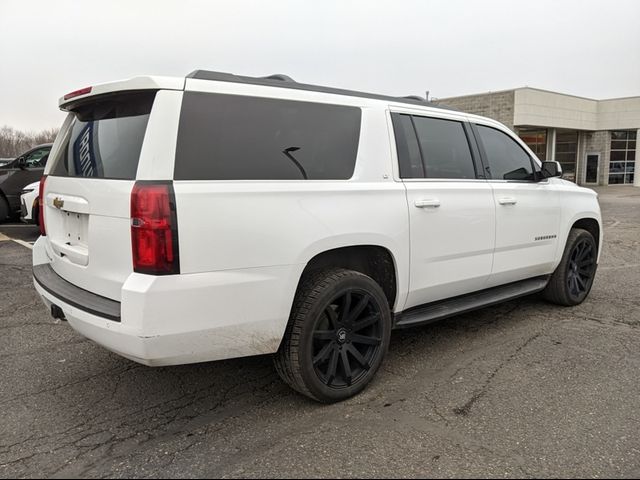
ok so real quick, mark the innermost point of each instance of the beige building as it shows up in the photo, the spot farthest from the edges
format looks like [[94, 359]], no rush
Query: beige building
[[595, 140]]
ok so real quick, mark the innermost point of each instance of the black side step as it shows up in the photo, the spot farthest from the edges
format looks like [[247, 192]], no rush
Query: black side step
[[432, 312]]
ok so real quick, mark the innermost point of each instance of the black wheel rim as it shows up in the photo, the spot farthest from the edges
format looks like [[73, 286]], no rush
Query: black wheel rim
[[347, 339], [581, 268]]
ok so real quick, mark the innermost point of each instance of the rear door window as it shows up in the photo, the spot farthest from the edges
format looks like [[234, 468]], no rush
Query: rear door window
[[105, 138], [233, 137], [432, 148], [445, 148], [409, 158]]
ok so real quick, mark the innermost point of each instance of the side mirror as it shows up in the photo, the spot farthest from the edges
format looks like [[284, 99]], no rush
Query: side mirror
[[22, 163], [551, 169]]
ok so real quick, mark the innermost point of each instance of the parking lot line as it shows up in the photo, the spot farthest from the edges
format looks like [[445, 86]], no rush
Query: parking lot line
[[3, 238], [23, 243]]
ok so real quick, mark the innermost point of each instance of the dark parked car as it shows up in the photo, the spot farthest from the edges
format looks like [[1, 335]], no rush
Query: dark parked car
[[14, 176]]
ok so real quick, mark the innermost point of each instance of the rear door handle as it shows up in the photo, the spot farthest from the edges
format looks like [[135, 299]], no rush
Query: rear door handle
[[427, 203], [507, 201]]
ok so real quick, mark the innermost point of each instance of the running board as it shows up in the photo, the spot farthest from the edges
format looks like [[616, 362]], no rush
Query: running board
[[432, 312]]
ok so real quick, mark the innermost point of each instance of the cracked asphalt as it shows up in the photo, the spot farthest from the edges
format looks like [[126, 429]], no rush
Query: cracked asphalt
[[524, 389]]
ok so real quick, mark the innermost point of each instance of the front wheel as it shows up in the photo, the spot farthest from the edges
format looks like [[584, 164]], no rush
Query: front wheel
[[572, 281], [338, 334]]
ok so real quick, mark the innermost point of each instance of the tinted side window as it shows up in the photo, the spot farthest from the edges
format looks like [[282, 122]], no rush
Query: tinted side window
[[232, 137], [445, 148], [409, 158], [507, 160]]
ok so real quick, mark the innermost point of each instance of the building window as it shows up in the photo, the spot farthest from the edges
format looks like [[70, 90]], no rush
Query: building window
[[536, 140], [623, 157], [567, 151]]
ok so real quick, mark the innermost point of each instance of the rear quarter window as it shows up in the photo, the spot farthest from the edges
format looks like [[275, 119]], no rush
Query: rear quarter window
[[105, 137], [232, 137]]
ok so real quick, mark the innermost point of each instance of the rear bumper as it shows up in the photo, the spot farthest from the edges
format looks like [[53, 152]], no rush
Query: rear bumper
[[109, 334], [48, 280], [178, 319]]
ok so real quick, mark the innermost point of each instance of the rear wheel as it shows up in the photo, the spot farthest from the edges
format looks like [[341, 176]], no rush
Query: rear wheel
[[571, 283], [337, 336]]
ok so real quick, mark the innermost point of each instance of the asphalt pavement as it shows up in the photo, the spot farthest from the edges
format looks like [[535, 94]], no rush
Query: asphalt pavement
[[524, 389]]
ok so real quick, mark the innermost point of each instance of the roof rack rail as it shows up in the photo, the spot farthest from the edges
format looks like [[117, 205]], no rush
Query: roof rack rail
[[284, 81], [416, 97], [281, 77]]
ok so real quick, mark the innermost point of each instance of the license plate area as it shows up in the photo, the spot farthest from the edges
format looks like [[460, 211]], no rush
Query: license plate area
[[75, 229], [69, 236]]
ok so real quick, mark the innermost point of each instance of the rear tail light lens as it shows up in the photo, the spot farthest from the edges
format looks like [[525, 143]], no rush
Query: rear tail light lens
[[41, 204], [154, 229]]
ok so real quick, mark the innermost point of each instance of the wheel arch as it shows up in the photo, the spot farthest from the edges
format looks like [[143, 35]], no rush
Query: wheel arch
[[588, 219], [375, 261], [591, 225]]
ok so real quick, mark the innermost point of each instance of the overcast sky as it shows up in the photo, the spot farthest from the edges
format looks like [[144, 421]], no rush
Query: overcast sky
[[449, 47]]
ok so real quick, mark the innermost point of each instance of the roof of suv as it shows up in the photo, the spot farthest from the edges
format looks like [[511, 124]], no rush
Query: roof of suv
[[284, 81], [279, 81]]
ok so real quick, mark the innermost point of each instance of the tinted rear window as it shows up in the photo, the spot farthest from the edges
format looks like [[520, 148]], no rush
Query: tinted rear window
[[105, 137], [409, 157], [445, 148], [232, 137]]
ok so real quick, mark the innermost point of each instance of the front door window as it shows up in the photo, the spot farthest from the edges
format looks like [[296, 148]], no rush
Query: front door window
[[34, 158]]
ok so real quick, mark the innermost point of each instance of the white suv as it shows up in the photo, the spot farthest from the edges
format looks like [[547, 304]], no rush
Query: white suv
[[218, 216]]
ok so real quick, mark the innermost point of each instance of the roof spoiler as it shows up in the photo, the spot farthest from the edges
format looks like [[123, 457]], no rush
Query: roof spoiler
[[67, 102]]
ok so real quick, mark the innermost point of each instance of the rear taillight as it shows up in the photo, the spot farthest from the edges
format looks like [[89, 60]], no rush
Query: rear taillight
[[154, 229], [41, 202]]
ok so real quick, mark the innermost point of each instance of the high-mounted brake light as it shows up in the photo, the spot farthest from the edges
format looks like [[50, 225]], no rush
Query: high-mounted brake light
[[77, 93], [41, 202], [154, 229]]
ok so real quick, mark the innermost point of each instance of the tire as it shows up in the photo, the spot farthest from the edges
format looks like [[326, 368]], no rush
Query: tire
[[4, 210], [571, 283], [337, 336]]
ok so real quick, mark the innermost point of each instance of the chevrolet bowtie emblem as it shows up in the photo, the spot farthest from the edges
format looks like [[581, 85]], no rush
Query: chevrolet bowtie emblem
[[58, 203]]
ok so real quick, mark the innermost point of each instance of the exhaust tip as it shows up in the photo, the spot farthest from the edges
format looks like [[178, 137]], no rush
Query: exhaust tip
[[57, 313]]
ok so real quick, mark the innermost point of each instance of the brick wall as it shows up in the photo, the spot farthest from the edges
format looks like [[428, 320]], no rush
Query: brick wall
[[498, 106]]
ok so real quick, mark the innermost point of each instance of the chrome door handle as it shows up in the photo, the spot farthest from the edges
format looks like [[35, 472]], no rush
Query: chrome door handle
[[427, 203], [507, 201]]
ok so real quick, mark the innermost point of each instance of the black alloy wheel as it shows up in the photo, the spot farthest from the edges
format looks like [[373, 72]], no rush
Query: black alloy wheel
[[347, 338], [571, 283], [581, 268], [338, 334]]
